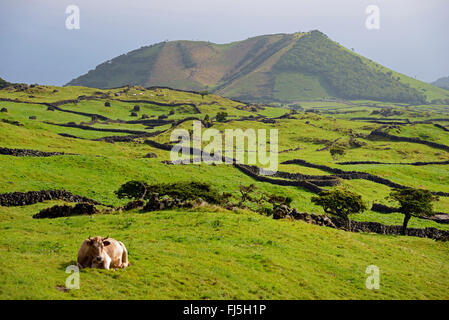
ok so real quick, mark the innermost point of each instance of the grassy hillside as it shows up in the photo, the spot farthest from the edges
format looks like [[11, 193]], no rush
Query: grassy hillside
[[269, 68], [442, 83], [209, 252]]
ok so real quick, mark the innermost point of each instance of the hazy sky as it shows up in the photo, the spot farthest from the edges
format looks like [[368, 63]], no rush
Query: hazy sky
[[36, 47]]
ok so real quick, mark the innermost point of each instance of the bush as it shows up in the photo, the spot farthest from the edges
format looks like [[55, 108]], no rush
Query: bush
[[187, 191], [132, 190], [180, 190], [336, 152], [221, 116]]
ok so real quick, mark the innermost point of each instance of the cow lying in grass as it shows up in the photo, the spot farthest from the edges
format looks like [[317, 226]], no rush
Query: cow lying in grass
[[102, 253]]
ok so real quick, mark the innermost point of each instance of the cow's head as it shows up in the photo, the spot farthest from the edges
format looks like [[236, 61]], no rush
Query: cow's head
[[97, 245]]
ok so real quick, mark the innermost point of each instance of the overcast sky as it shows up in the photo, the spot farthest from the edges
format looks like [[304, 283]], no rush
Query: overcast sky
[[36, 46]]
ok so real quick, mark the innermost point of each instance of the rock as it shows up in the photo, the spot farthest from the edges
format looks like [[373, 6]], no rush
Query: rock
[[32, 117], [156, 203], [15, 123], [133, 205], [150, 155], [136, 108], [107, 104], [133, 114], [4, 110], [145, 116], [50, 108]]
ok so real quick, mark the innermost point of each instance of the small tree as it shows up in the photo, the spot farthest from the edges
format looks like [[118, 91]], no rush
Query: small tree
[[276, 200], [132, 190], [340, 203], [336, 152], [206, 118], [413, 202], [204, 93], [221, 116], [246, 193]]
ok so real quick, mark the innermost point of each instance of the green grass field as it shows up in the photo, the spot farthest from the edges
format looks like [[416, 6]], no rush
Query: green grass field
[[209, 252]]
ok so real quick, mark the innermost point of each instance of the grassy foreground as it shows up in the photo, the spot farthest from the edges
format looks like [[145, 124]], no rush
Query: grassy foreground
[[215, 254]]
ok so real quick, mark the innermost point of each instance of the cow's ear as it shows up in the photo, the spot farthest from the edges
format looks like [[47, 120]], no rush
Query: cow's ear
[[90, 242], [106, 243]]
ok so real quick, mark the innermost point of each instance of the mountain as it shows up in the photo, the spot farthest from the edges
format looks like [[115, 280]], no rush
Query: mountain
[[269, 68], [442, 83]]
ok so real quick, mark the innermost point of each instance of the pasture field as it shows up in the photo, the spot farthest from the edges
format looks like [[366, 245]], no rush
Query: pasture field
[[210, 252]]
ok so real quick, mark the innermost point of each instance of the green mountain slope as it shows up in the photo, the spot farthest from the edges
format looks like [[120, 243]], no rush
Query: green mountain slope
[[442, 83], [269, 68]]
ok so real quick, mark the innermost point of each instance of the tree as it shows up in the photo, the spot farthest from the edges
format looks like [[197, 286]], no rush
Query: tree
[[246, 193], [336, 152], [413, 202], [340, 203], [204, 93], [206, 118], [221, 116]]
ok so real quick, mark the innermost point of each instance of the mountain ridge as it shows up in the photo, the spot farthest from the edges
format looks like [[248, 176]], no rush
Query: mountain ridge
[[269, 68]]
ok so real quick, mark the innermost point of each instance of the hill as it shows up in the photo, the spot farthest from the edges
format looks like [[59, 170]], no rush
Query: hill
[[269, 68], [90, 141], [442, 83]]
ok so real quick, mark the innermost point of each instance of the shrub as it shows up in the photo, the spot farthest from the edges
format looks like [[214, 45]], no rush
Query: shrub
[[221, 116], [336, 152], [132, 190], [185, 190], [246, 194]]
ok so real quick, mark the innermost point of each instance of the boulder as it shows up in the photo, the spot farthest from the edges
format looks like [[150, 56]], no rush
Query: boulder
[[150, 155], [133, 205]]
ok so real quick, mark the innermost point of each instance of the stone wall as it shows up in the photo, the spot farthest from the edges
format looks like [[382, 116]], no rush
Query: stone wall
[[284, 211], [31, 197]]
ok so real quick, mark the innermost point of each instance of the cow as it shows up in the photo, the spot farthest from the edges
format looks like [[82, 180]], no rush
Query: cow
[[102, 253]]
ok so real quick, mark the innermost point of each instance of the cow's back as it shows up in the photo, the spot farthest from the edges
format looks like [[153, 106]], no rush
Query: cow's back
[[115, 252]]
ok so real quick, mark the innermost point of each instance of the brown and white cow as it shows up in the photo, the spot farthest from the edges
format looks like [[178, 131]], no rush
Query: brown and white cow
[[102, 253]]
